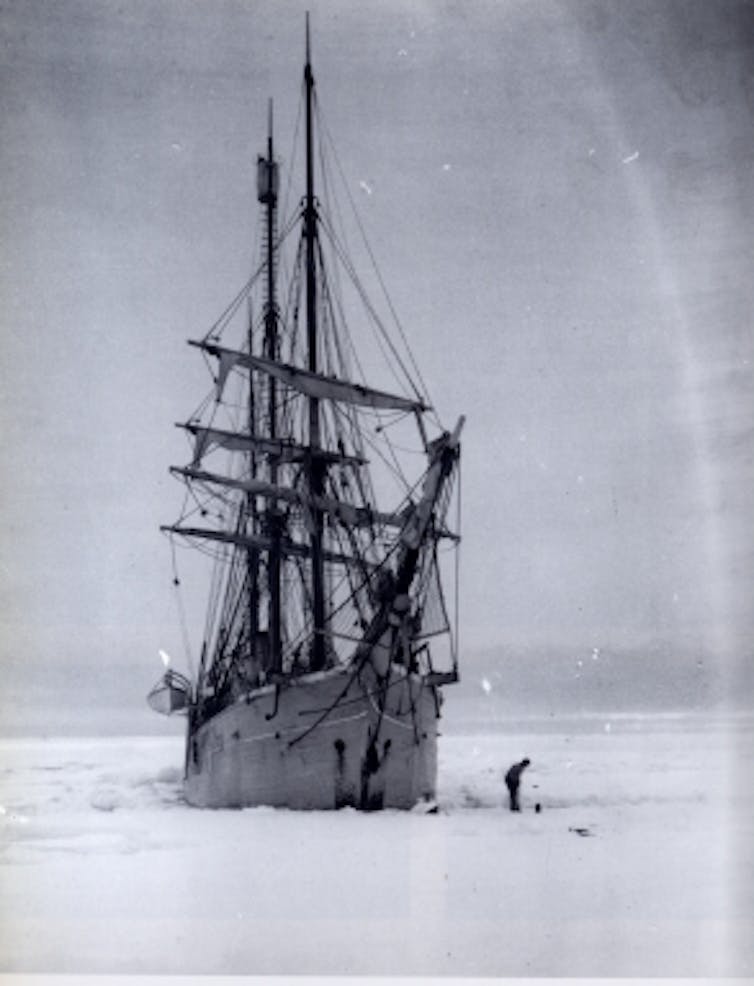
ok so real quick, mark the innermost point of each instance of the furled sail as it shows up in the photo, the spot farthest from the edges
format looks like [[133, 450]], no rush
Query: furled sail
[[293, 549], [282, 450], [308, 383], [346, 513]]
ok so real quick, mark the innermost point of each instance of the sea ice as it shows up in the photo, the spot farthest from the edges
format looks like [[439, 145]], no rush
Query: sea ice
[[638, 864]]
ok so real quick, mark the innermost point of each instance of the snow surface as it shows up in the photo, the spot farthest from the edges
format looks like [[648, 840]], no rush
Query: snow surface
[[640, 863]]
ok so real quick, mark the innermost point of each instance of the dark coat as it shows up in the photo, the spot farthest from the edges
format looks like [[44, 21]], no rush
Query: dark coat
[[513, 777]]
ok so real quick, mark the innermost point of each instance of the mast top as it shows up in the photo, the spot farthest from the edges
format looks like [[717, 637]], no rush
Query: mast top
[[308, 50]]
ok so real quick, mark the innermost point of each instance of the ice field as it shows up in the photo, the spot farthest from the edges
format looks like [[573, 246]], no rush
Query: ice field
[[640, 863]]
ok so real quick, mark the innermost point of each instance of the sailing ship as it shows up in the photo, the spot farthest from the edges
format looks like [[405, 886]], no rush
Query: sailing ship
[[328, 637]]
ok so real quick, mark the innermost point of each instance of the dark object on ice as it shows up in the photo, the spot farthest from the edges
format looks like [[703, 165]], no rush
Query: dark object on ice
[[585, 833], [537, 807], [513, 781]]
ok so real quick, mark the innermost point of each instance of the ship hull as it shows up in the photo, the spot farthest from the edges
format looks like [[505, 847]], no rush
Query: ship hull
[[325, 741]]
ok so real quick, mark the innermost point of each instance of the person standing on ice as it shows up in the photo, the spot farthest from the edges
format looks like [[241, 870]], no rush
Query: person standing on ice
[[513, 780]]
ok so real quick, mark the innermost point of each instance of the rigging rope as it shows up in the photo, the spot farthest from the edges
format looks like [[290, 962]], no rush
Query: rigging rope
[[221, 323], [455, 642], [357, 668], [182, 612], [388, 299], [349, 268]]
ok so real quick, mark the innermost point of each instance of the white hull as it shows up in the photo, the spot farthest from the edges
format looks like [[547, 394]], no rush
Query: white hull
[[320, 742]]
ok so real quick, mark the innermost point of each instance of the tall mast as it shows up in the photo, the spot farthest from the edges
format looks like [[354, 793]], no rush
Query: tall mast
[[269, 196], [316, 465], [267, 179], [252, 555]]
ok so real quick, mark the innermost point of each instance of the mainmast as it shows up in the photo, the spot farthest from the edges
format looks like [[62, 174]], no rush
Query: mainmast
[[315, 464], [267, 191]]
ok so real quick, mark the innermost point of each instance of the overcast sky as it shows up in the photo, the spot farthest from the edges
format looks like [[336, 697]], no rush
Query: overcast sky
[[562, 204]]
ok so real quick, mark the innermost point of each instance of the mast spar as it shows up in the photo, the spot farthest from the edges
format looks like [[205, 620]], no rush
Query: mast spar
[[315, 464], [267, 194]]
